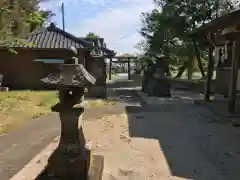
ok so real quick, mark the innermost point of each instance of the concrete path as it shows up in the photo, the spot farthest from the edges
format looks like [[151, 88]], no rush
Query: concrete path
[[20, 146]]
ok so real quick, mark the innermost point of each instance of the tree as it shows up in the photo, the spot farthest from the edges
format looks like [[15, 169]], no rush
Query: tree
[[19, 17], [142, 46], [92, 35], [37, 19], [167, 28]]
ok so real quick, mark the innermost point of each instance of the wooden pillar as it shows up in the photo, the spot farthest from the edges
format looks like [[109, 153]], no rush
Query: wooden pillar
[[129, 69], [233, 80], [208, 84], [110, 69]]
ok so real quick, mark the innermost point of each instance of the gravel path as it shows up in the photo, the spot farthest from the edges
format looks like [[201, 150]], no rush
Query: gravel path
[[168, 141]]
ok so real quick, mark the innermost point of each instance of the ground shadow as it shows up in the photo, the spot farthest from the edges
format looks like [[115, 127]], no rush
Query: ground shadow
[[190, 85], [180, 150]]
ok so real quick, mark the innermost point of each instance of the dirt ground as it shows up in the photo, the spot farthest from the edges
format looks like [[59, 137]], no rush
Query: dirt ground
[[126, 158], [173, 142]]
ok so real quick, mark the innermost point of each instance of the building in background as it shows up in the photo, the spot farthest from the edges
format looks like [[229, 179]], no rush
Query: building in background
[[21, 71]]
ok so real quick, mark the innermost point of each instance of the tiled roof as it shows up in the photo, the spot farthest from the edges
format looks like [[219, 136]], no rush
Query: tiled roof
[[219, 23], [108, 51], [100, 44], [94, 40], [53, 37]]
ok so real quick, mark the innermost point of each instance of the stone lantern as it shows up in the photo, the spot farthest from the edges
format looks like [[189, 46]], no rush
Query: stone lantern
[[71, 160], [156, 83]]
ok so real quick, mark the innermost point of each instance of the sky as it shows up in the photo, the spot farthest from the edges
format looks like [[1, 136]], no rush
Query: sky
[[117, 21]]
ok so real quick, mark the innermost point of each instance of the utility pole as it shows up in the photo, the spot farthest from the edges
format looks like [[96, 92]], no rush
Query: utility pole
[[63, 16]]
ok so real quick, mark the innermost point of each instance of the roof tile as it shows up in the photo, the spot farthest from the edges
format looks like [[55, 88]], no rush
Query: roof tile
[[53, 37]]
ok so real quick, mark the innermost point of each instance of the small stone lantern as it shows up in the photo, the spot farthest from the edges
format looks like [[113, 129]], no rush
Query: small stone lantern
[[155, 83], [71, 160]]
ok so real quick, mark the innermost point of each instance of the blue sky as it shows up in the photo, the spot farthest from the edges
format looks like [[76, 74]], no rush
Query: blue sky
[[117, 21]]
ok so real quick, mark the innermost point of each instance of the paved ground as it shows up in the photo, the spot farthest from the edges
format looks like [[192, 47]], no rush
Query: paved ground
[[17, 148]]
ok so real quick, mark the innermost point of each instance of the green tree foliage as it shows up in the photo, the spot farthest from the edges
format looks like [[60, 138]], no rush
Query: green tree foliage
[[142, 46], [167, 28], [19, 17], [37, 19], [92, 35]]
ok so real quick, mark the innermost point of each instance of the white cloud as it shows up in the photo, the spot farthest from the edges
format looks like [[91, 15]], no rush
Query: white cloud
[[117, 25], [57, 3]]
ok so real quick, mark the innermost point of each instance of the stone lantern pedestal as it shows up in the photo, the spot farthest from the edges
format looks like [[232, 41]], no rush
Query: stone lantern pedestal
[[71, 160], [155, 82]]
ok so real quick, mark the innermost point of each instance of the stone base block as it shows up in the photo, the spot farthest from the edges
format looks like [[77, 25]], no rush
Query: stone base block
[[68, 166], [37, 168], [94, 172], [96, 168], [97, 92], [158, 88]]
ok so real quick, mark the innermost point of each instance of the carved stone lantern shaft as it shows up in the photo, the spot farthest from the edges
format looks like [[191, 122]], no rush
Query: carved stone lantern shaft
[[70, 160], [70, 115]]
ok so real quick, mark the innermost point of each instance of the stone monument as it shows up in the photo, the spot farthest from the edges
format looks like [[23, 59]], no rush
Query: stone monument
[[147, 72], [155, 82], [71, 160]]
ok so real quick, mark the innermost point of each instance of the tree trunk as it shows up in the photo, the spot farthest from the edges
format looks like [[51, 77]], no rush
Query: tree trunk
[[168, 72], [190, 67], [198, 56], [167, 68], [182, 69]]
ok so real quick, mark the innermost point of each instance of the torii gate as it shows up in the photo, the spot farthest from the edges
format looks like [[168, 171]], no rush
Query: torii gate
[[125, 58]]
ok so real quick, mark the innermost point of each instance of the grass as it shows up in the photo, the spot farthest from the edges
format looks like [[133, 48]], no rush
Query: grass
[[18, 107]]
